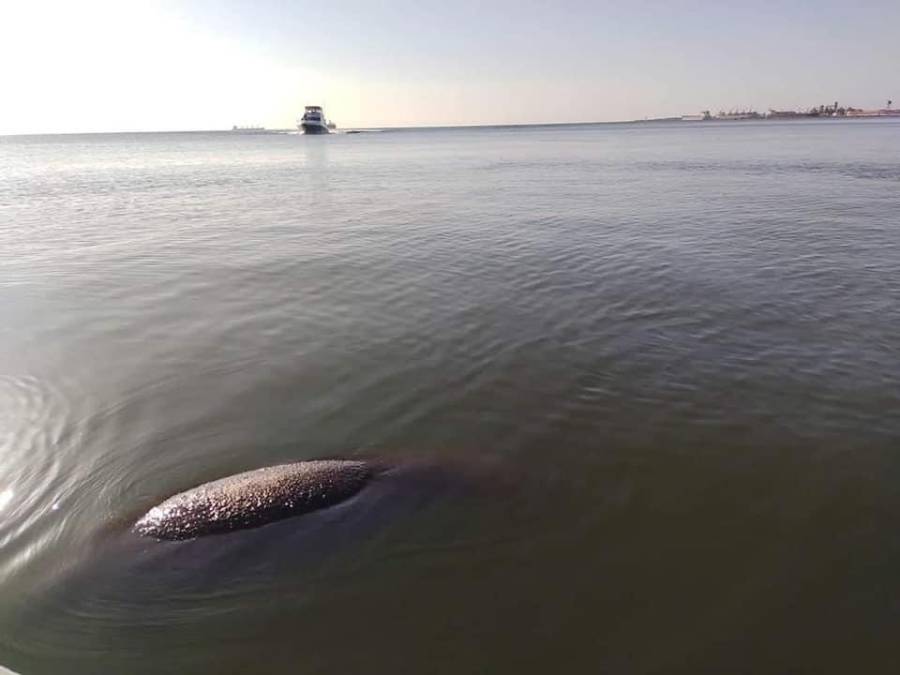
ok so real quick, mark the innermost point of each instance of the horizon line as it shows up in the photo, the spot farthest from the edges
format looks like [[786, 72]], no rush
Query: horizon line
[[508, 125], [288, 129]]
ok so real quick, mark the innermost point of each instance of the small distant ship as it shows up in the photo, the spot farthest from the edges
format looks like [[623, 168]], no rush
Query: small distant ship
[[249, 130], [314, 122]]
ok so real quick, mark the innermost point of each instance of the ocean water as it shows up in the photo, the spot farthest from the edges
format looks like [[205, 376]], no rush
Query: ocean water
[[655, 369]]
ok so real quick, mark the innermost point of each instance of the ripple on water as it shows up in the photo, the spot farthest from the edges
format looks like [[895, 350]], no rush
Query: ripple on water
[[36, 432]]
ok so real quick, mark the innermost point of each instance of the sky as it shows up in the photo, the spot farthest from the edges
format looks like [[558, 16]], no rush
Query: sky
[[123, 65]]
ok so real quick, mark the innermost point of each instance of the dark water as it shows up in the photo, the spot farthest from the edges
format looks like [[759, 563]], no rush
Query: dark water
[[659, 363]]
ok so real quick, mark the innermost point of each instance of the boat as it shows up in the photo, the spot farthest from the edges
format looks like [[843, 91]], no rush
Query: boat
[[248, 130], [314, 122]]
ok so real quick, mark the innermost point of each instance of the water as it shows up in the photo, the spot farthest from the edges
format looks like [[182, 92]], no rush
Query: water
[[662, 360]]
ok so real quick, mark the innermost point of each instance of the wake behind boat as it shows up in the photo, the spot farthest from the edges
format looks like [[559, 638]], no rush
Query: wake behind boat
[[314, 122]]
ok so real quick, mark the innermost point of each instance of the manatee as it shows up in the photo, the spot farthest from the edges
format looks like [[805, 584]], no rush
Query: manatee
[[254, 498]]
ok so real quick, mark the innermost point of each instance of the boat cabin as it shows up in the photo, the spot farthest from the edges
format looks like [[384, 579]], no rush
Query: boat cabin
[[312, 112]]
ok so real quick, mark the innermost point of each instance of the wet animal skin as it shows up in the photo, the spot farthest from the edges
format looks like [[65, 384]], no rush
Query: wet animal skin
[[255, 498]]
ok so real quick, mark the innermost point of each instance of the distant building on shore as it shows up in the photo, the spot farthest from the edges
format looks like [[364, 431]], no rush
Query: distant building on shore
[[887, 111], [827, 111], [738, 115], [706, 116], [787, 114]]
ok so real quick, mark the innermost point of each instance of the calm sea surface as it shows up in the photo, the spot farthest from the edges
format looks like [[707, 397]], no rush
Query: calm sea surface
[[656, 365]]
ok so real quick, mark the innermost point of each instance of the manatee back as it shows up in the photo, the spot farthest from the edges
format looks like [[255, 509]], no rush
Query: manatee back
[[255, 498]]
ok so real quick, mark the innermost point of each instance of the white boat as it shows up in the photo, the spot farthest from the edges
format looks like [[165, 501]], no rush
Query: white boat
[[314, 122]]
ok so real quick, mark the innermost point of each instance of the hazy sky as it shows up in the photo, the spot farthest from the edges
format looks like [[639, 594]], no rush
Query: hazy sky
[[120, 65]]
